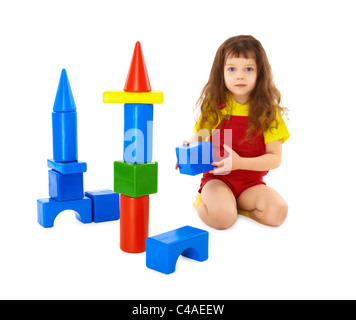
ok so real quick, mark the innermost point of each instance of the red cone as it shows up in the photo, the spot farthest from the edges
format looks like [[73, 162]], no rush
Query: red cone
[[137, 79]]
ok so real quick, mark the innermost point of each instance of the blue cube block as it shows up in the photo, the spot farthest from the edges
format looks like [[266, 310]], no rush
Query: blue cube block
[[138, 128], [195, 158], [63, 187], [48, 210], [106, 205], [163, 251]]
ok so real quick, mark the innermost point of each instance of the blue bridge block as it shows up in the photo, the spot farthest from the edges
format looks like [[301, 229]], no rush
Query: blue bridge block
[[138, 128], [63, 187], [163, 251], [195, 158], [106, 205], [49, 209]]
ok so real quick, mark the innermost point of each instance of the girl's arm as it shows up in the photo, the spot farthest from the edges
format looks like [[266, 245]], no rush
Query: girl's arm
[[270, 160]]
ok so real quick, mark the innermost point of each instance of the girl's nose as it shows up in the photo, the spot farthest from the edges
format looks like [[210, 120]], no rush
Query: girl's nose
[[240, 75]]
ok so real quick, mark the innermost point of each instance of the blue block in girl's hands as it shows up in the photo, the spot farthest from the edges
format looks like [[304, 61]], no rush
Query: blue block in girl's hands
[[195, 158]]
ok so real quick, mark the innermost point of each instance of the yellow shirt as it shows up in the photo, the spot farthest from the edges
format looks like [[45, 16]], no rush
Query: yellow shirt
[[235, 109]]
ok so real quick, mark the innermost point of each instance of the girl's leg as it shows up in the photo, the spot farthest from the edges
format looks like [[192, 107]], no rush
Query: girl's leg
[[264, 204], [219, 208]]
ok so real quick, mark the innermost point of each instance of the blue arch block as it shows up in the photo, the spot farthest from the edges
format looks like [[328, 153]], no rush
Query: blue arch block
[[138, 130], [48, 209], [163, 251]]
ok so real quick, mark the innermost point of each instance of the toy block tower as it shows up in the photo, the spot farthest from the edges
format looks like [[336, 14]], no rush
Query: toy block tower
[[135, 178], [66, 190], [66, 175]]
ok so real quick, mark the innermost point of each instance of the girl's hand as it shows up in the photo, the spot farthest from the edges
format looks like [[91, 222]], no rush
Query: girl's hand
[[225, 166], [185, 143]]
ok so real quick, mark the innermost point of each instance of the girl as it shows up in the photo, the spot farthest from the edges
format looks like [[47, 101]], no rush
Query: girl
[[240, 100]]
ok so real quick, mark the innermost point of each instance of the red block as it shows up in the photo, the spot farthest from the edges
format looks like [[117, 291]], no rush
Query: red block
[[133, 223], [137, 79]]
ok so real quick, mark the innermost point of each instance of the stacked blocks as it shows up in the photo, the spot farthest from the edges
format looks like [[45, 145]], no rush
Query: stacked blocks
[[195, 158], [66, 187], [135, 178], [163, 251]]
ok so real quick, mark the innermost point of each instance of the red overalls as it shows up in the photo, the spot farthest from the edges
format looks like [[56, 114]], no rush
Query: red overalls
[[237, 180]]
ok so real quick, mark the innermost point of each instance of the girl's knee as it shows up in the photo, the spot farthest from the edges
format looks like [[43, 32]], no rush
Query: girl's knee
[[276, 214], [223, 218]]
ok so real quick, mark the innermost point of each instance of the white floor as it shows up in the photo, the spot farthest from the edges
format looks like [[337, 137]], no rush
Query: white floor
[[310, 257]]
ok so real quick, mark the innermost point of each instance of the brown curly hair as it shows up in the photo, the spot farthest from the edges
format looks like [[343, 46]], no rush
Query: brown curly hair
[[265, 98]]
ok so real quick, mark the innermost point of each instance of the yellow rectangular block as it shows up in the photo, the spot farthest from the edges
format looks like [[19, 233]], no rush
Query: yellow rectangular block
[[152, 97]]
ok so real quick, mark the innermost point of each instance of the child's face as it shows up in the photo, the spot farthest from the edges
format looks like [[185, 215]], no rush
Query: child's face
[[240, 76]]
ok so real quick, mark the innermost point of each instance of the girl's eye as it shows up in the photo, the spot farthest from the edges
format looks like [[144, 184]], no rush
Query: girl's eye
[[232, 69], [249, 69]]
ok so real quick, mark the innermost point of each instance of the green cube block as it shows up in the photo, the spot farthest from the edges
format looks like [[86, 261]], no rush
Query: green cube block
[[135, 179]]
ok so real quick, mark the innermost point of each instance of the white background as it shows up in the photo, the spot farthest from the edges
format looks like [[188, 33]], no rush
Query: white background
[[311, 47]]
